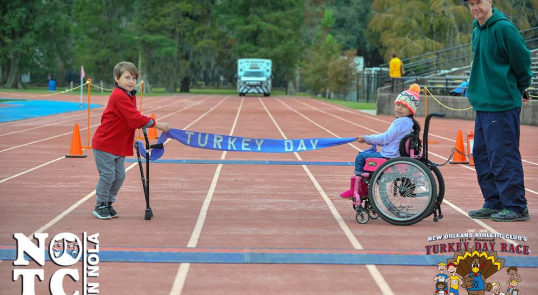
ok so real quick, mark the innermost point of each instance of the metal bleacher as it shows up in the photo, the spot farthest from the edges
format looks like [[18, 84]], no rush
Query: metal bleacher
[[443, 71]]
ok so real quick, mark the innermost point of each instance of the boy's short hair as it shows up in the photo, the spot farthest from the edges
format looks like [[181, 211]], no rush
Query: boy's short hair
[[123, 66]]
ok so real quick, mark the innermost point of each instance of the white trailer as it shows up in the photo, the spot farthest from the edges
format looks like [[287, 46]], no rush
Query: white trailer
[[254, 76]]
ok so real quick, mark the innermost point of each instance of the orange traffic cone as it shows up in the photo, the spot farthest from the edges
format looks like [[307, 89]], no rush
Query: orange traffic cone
[[76, 145], [152, 132], [470, 144], [459, 151]]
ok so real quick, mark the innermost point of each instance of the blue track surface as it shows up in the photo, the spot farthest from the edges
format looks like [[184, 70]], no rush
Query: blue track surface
[[246, 162], [27, 109], [269, 256]]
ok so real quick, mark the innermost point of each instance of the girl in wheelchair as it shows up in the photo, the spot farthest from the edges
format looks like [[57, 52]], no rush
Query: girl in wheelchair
[[405, 106]]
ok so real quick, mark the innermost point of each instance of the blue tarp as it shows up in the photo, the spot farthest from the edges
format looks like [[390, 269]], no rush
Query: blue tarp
[[27, 109]]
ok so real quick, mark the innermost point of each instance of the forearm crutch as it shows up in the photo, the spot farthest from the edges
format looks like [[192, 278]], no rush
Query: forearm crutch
[[145, 178]]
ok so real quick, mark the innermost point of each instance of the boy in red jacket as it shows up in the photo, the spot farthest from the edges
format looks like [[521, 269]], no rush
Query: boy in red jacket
[[113, 139]]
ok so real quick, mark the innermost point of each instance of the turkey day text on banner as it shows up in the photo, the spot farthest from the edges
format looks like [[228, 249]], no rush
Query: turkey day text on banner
[[242, 144]]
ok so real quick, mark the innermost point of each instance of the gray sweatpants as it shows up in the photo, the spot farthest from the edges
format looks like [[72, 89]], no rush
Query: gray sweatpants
[[111, 175]]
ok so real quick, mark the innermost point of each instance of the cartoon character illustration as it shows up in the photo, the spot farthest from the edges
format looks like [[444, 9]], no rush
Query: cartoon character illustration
[[474, 281], [441, 276], [513, 275], [475, 267], [441, 287], [512, 288], [454, 279], [440, 292], [496, 288]]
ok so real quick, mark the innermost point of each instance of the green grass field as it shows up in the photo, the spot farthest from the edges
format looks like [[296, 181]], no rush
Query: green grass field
[[158, 91]]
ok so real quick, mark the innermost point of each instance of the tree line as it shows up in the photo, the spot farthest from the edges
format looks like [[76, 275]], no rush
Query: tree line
[[179, 44]]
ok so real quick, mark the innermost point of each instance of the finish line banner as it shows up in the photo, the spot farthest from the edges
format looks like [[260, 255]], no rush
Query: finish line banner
[[242, 144]]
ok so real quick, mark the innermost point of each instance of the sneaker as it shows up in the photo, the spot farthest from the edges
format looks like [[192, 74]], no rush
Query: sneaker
[[484, 213], [113, 212], [509, 216], [102, 212]]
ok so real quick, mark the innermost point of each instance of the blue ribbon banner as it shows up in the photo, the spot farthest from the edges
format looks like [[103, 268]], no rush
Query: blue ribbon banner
[[242, 144]]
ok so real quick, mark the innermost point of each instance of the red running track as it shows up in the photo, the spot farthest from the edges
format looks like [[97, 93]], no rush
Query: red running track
[[238, 206]]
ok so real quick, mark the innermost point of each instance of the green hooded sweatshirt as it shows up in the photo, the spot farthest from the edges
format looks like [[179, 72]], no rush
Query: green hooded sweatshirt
[[501, 68]]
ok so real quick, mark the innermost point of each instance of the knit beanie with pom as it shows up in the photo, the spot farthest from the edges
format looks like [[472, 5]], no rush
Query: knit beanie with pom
[[409, 98]]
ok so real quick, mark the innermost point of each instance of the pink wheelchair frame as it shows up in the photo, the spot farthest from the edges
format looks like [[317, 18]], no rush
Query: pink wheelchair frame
[[391, 188]]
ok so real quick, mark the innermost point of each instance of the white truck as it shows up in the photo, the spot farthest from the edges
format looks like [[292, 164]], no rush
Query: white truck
[[254, 76]]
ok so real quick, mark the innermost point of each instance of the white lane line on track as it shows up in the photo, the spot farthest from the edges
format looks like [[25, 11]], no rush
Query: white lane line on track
[[82, 129], [183, 270], [530, 162], [478, 221], [374, 272], [370, 117], [69, 210], [61, 122], [88, 196], [81, 201], [44, 126], [30, 170], [50, 162], [44, 139]]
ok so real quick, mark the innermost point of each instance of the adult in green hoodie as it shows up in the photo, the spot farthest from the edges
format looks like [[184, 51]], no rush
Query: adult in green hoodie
[[500, 74]]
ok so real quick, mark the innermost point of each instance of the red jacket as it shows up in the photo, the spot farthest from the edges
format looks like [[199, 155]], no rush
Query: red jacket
[[119, 121]]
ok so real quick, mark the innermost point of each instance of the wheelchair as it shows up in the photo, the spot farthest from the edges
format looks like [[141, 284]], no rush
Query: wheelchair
[[403, 190]]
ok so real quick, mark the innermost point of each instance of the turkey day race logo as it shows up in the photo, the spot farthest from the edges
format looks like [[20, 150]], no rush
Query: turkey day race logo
[[475, 267]]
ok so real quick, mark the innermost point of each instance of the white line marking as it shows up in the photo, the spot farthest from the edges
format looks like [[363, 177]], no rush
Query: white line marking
[[79, 202], [85, 128], [70, 209], [479, 222], [530, 162], [88, 196], [59, 122], [374, 272], [30, 170], [183, 270], [45, 164]]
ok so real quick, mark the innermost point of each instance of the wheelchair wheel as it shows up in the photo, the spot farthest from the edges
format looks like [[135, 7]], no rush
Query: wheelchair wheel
[[403, 191], [440, 186], [362, 216], [371, 211]]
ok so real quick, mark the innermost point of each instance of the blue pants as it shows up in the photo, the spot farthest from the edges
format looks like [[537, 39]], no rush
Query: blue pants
[[360, 160], [498, 161]]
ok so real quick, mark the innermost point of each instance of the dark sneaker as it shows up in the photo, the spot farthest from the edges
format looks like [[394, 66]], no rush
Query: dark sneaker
[[484, 213], [101, 211], [509, 216], [113, 212]]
